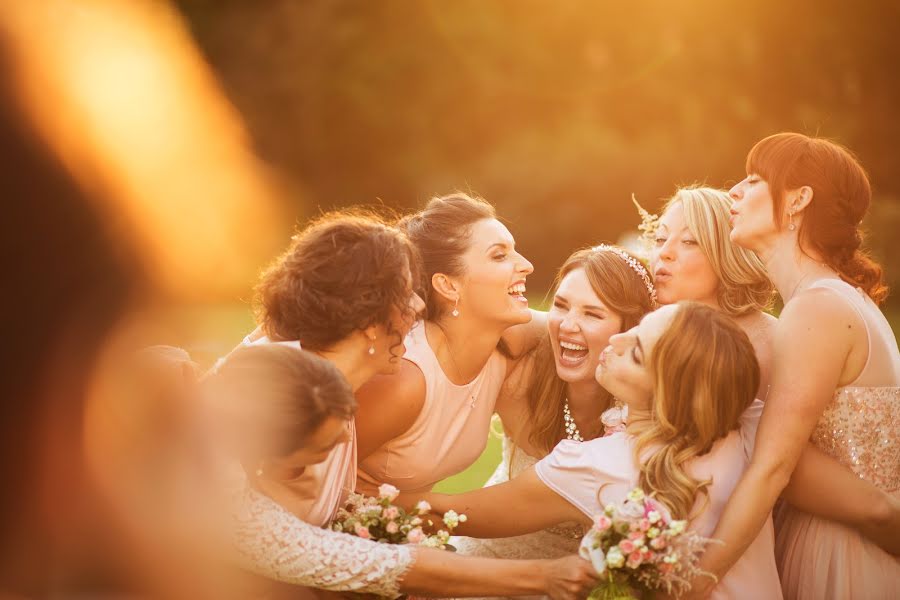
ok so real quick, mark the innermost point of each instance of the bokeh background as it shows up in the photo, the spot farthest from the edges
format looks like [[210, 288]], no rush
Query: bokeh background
[[157, 154], [556, 112]]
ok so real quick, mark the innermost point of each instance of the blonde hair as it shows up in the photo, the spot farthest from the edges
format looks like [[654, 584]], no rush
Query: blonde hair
[[622, 289], [744, 285], [705, 375]]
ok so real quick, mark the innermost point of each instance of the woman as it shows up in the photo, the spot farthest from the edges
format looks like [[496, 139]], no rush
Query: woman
[[693, 259], [344, 290], [287, 409], [431, 418], [687, 374], [836, 371], [552, 394]]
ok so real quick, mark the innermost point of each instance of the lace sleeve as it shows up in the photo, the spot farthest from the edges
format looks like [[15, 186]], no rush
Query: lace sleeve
[[274, 543]]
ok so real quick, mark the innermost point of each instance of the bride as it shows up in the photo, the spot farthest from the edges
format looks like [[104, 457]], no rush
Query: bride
[[552, 393]]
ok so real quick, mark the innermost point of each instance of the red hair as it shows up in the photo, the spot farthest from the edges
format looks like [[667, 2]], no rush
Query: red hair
[[841, 197]]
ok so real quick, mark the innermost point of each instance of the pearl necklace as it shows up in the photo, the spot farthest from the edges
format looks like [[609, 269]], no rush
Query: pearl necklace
[[572, 432]]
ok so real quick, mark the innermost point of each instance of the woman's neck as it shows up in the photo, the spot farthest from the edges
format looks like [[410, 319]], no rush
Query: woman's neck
[[790, 268], [462, 347], [353, 362], [587, 401]]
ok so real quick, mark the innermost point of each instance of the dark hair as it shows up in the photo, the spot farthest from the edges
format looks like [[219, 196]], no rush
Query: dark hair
[[276, 395], [441, 233], [841, 197], [344, 272]]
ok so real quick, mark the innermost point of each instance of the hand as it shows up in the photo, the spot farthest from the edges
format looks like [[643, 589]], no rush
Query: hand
[[569, 578]]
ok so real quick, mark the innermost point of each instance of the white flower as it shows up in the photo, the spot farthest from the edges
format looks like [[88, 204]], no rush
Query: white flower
[[677, 527], [451, 519], [636, 495], [423, 506], [652, 532], [588, 551], [632, 510], [388, 491], [432, 542], [653, 516], [615, 559]]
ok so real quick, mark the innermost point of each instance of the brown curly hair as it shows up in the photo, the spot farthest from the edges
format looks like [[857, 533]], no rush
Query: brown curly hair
[[345, 271]]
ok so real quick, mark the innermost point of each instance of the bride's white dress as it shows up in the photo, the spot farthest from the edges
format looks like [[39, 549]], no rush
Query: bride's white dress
[[554, 542]]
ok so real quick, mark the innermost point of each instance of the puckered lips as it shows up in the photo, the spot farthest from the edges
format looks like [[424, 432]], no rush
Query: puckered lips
[[661, 275]]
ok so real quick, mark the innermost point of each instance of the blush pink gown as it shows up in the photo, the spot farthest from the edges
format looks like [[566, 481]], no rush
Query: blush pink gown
[[820, 559]]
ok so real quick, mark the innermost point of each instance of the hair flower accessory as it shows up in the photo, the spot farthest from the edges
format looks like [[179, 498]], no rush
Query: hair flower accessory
[[649, 225]]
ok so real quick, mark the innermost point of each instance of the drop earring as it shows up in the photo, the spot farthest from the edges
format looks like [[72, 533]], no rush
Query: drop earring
[[372, 346], [455, 311], [791, 225]]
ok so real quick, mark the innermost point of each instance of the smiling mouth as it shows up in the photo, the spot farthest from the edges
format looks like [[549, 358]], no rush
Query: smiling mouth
[[517, 292], [572, 354]]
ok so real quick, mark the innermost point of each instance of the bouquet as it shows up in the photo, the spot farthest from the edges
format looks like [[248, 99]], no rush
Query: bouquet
[[379, 520], [637, 548]]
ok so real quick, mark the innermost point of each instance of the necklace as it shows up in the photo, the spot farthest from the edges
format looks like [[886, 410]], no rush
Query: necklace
[[572, 432]]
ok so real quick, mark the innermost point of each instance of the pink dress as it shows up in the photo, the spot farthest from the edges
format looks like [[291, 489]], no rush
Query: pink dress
[[577, 470], [317, 494], [449, 434], [820, 559]]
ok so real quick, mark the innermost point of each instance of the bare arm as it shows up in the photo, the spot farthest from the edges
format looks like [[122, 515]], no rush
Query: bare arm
[[522, 338], [388, 407], [812, 342], [445, 574], [822, 486], [515, 507]]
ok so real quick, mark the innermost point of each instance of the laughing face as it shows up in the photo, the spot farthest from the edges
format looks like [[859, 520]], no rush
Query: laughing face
[[492, 287], [580, 325]]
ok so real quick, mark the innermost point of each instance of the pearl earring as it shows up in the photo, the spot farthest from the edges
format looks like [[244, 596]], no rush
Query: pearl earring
[[259, 471], [455, 312], [791, 225], [372, 346]]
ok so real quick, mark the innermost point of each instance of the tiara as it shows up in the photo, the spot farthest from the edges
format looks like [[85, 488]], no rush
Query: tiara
[[635, 265], [649, 225]]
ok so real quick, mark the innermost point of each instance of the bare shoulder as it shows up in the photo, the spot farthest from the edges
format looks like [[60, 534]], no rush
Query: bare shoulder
[[388, 406], [519, 339], [818, 309]]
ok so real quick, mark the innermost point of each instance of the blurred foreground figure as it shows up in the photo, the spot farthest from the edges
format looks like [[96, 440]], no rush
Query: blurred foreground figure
[[129, 190]]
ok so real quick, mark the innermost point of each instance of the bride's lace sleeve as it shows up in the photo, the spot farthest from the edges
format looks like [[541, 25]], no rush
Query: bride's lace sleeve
[[274, 543]]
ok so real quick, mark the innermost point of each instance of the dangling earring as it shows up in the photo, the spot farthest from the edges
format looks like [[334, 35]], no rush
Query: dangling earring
[[259, 470], [791, 225], [372, 346], [455, 311]]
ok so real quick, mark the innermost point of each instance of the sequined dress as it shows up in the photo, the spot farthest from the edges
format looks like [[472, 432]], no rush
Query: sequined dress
[[820, 559]]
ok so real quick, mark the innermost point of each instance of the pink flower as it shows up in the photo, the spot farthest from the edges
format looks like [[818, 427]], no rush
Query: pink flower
[[391, 513], [635, 559], [637, 537], [392, 527], [644, 524], [388, 491], [362, 532], [665, 567], [602, 523], [415, 536], [658, 543], [627, 546]]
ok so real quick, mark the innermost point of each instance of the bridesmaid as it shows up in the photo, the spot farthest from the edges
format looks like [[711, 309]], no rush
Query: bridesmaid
[[687, 374], [552, 393], [431, 418], [836, 371], [344, 290]]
